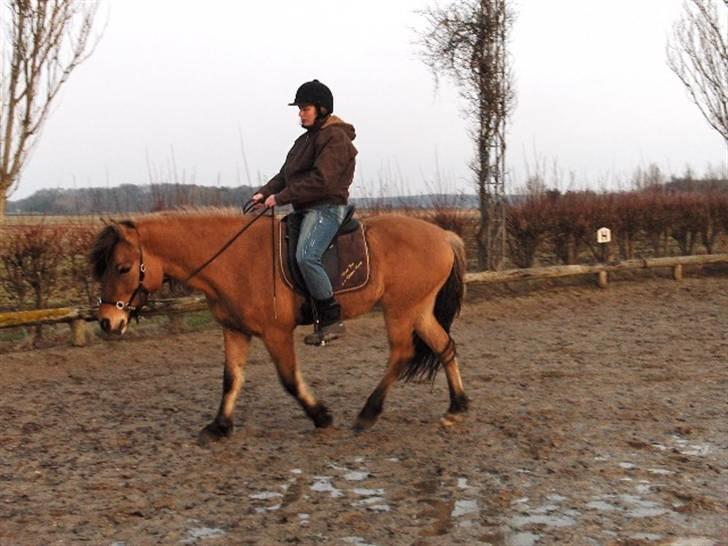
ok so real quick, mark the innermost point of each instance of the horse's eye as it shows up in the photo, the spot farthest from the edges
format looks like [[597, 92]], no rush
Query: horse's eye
[[124, 269]]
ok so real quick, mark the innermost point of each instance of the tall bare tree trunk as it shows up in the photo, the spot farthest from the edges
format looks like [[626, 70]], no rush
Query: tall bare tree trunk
[[484, 197], [468, 41]]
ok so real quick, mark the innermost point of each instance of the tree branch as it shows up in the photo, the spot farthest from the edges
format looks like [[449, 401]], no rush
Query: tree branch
[[49, 39]]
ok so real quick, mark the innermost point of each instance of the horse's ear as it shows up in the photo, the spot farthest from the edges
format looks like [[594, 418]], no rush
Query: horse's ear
[[124, 228]]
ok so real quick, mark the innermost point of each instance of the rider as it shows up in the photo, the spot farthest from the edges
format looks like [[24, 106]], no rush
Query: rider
[[315, 179]]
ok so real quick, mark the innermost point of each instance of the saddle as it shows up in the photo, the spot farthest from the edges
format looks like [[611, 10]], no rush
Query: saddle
[[346, 260]]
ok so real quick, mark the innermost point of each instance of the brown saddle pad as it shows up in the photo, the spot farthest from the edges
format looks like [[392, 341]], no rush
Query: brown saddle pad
[[346, 261]]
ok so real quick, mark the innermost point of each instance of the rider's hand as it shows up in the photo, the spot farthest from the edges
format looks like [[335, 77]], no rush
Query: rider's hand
[[257, 198], [270, 201]]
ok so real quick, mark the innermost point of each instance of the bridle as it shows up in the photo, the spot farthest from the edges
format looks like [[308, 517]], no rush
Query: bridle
[[135, 310]]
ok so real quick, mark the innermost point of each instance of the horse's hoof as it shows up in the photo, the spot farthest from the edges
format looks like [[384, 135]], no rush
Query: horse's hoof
[[321, 417], [362, 423], [213, 433], [324, 421], [449, 420]]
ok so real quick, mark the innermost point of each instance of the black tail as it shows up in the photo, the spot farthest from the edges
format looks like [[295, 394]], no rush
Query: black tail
[[426, 363]]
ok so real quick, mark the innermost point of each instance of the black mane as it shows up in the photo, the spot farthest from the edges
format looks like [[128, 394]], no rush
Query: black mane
[[103, 247]]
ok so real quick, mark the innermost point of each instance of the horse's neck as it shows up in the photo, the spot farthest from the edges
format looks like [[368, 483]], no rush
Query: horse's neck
[[184, 244]]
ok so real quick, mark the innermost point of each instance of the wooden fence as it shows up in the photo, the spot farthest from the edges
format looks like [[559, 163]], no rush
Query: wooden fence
[[77, 317], [600, 270]]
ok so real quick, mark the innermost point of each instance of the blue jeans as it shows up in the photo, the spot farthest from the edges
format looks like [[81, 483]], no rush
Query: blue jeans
[[318, 228]]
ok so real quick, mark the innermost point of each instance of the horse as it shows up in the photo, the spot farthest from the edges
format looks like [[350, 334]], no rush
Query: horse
[[416, 276]]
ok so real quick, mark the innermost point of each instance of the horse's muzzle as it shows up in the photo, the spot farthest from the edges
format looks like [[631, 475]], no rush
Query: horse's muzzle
[[105, 325], [111, 326]]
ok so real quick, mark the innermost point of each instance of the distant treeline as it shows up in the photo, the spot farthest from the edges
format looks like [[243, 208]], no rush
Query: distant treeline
[[156, 197], [128, 198]]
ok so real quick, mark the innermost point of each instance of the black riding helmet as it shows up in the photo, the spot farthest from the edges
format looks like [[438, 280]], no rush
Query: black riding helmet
[[316, 93]]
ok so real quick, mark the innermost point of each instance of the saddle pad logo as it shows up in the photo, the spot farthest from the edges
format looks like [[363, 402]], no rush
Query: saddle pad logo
[[349, 272]]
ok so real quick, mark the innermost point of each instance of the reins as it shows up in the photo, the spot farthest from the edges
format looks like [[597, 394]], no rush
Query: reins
[[274, 246], [246, 208]]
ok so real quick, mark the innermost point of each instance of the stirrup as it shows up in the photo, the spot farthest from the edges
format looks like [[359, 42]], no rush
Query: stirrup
[[324, 334]]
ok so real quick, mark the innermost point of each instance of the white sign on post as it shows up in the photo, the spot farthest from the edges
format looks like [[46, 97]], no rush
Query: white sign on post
[[604, 235]]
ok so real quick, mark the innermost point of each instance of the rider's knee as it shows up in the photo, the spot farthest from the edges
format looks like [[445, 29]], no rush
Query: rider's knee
[[306, 260]]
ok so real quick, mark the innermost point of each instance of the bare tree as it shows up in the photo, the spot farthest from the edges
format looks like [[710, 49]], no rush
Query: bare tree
[[697, 52], [467, 41], [42, 43]]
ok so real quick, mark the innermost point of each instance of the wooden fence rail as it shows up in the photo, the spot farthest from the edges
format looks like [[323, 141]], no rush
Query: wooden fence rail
[[78, 316], [601, 270]]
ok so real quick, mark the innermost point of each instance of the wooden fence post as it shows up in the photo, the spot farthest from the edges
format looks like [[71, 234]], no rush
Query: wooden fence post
[[677, 272], [176, 323], [603, 279], [79, 333]]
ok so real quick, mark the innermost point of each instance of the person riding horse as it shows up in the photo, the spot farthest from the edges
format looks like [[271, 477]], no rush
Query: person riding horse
[[315, 179]]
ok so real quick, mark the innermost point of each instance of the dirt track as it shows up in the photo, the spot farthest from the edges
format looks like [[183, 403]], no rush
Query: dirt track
[[598, 417]]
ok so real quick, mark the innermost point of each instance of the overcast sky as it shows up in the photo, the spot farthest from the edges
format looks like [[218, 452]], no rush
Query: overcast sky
[[174, 83]]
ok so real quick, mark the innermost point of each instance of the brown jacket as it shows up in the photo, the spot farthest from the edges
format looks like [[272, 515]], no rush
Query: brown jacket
[[319, 168]]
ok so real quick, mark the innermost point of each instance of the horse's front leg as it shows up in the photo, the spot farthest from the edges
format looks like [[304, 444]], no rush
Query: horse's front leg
[[233, 378], [281, 348]]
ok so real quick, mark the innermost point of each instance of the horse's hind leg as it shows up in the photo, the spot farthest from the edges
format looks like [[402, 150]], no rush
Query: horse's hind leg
[[236, 353], [281, 348], [440, 342], [401, 350]]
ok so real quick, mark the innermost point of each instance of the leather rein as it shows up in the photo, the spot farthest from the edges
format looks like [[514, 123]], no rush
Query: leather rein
[[136, 310]]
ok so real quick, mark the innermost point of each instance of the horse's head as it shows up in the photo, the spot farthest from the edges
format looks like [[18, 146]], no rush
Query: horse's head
[[126, 274]]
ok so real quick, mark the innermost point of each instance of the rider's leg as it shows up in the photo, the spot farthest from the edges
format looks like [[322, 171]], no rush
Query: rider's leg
[[318, 228]]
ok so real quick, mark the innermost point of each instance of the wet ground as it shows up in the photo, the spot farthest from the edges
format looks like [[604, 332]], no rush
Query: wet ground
[[598, 417]]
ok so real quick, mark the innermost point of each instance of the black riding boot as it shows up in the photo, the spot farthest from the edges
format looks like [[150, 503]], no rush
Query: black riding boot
[[328, 325]]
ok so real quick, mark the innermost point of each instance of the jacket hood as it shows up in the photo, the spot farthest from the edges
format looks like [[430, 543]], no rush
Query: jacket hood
[[336, 121]]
